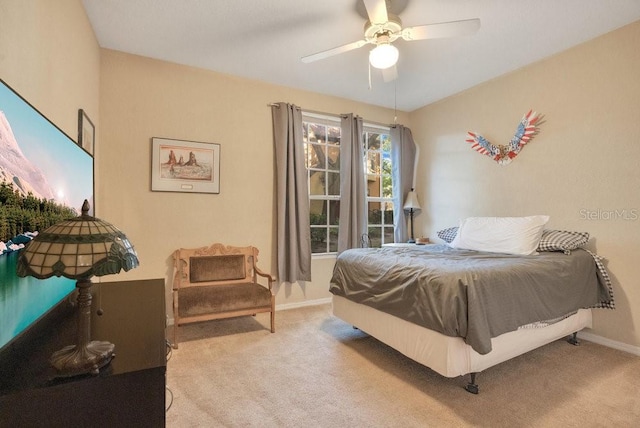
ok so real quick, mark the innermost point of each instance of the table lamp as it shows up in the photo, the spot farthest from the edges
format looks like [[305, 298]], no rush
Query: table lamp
[[412, 206], [78, 249]]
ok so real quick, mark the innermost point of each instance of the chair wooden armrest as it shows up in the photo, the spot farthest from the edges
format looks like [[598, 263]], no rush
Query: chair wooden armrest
[[269, 277]]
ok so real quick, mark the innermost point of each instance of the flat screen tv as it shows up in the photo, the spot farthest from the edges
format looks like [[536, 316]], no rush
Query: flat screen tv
[[44, 178]]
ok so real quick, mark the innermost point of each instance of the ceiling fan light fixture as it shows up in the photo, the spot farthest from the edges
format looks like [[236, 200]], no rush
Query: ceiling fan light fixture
[[383, 56]]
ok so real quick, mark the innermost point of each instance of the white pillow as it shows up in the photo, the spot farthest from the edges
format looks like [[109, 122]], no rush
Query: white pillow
[[511, 235]]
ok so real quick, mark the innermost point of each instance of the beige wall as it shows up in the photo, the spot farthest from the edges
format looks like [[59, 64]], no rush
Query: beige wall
[[50, 56], [586, 157], [143, 98]]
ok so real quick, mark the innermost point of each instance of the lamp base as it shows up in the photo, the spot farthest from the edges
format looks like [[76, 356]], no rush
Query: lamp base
[[74, 360]]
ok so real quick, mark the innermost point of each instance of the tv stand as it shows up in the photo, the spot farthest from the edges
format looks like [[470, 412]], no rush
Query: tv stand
[[129, 391]]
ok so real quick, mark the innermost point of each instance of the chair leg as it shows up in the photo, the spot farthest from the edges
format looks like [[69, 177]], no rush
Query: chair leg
[[273, 321]]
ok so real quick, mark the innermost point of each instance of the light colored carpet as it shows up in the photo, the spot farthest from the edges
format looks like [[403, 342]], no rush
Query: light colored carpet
[[317, 371]]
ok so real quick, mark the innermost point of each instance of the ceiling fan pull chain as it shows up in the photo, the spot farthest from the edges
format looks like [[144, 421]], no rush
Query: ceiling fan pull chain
[[369, 76], [395, 102]]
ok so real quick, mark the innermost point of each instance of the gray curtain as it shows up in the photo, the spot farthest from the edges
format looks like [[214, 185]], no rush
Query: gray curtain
[[403, 156], [292, 197], [353, 188]]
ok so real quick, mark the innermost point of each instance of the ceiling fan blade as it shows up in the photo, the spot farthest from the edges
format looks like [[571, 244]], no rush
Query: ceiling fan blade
[[390, 74], [465, 27], [377, 11], [333, 51]]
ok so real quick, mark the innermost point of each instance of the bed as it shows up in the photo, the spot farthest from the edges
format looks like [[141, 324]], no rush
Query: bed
[[460, 311]]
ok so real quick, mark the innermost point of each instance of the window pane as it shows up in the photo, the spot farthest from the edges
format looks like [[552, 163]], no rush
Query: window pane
[[317, 133], [388, 235], [316, 182], [387, 186], [316, 154], [373, 186], [374, 141], [373, 163], [333, 185], [386, 142], [333, 239], [318, 212], [334, 212], [386, 163], [388, 213], [318, 239], [374, 236], [375, 214], [305, 133], [333, 154], [333, 135]]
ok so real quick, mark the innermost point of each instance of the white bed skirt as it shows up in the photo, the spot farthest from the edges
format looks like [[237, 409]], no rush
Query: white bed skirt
[[451, 356]]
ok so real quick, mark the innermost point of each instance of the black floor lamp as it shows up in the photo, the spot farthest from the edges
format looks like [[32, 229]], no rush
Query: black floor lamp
[[411, 205]]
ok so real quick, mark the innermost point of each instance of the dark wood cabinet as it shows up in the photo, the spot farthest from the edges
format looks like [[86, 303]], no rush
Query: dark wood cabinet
[[129, 391]]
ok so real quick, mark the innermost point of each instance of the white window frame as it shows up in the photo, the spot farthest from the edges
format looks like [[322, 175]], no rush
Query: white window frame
[[308, 117], [378, 129], [328, 120]]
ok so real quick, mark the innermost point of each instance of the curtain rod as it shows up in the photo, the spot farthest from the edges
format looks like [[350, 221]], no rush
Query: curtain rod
[[306, 111], [392, 125], [278, 106]]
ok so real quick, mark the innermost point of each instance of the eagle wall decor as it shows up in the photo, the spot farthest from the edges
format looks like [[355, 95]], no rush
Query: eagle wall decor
[[527, 129]]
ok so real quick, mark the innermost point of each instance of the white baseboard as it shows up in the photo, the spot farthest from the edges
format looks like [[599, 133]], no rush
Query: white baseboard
[[635, 350], [302, 304]]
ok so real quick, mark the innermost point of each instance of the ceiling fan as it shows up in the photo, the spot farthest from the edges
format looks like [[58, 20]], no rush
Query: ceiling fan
[[383, 28]]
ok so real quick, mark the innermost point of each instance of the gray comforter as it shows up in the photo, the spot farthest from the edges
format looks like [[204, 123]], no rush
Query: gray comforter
[[470, 294]]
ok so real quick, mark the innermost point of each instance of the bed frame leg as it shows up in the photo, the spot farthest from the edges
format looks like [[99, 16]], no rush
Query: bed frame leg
[[574, 339], [472, 387]]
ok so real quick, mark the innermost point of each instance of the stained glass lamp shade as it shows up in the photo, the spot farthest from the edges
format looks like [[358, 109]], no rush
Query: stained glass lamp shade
[[78, 249]]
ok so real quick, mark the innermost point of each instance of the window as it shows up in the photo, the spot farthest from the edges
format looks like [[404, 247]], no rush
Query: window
[[377, 158], [322, 158], [321, 137]]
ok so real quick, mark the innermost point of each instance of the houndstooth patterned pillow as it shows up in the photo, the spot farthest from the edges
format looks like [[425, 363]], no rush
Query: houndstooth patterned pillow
[[448, 234], [562, 240]]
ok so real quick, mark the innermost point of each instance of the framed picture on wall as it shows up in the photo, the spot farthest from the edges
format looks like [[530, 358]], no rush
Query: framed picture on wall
[[185, 166], [86, 132]]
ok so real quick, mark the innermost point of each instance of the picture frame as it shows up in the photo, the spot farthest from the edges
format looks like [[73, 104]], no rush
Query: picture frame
[[184, 166], [86, 132]]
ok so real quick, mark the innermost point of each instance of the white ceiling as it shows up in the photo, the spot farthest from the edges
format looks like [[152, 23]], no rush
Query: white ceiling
[[265, 39]]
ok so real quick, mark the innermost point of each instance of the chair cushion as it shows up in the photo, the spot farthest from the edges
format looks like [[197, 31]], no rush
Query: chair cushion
[[215, 299]]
